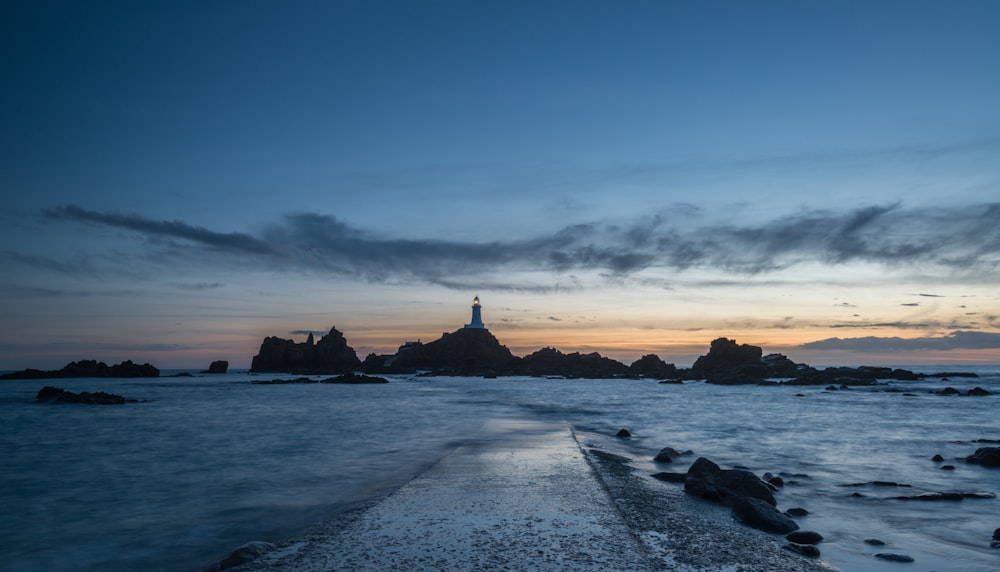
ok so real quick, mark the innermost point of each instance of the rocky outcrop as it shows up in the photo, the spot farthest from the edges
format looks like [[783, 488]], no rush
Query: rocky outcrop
[[49, 394], [88, 368], [985, 456], [706, 480], [330, 354], [761, 515], [347, 378], [468, 351], [552, 362], [217, 367], [652, 366]]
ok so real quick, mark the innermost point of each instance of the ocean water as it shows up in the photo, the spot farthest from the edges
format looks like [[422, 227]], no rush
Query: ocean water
[[207, 463]]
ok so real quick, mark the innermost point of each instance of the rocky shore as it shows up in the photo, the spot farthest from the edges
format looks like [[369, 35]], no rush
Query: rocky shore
[[475, 352]]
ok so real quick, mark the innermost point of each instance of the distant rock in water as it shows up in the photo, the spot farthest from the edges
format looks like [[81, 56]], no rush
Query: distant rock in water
[[354, 378], [552, 362], [88, 368], [49, 394], [652, 366], [330, 354], [221, 366], [347, 378]]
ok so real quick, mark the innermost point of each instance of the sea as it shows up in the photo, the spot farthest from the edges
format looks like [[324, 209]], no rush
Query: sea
[[203, 464]]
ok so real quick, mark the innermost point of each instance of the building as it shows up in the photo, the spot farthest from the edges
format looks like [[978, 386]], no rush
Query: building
[[477, 316]]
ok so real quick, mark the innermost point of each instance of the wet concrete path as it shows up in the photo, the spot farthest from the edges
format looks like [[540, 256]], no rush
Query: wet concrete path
[[529, 502], [536, 497]]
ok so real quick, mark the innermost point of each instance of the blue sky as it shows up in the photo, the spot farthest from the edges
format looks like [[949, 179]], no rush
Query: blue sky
[[182, 179]]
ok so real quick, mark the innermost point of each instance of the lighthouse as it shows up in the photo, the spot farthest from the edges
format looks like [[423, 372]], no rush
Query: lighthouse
[[477, 316]]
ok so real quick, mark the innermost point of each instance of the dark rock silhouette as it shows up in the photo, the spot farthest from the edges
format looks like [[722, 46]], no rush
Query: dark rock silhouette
[[88, 368], [552, 362], [49, 394], [330, 354], [891, 557], [706, 480], [218, 367], [804, 537], [806, 550], [724, 353], [651, 365], [666, 455], [761, 515], [467, 351], [347, 378], [985, 456]]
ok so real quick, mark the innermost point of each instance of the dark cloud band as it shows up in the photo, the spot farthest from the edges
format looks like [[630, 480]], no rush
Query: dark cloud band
[[963, 239]]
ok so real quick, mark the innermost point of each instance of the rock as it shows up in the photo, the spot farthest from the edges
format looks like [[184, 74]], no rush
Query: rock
[[49, 394], [623, 434], [706, 480], [670, 477], [932, 497], [88, 368], [354, 378], [773, 480], [652, 366], [726, 354], [330, 354], [797, 512], [762, 515], [283, 381], [246, 553], [985, 456], [996, 534], [948, 391], [804, 537], [995, 544], [937, 458], [978, 392], [552, 362], [666, 455], [218, 367], [874, 542], [890, 557], [947, 467], [804, 549]]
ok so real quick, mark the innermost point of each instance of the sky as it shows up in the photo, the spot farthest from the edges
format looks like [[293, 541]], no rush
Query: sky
[[181, 179]]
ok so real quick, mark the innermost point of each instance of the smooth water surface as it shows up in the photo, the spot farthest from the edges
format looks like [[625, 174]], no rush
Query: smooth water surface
[[204, 464]]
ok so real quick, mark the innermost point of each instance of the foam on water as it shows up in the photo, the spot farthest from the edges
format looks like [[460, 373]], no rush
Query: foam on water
[[205, 464]]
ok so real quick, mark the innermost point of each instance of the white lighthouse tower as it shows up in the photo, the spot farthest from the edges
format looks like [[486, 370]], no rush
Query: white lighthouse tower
[[477, 316]]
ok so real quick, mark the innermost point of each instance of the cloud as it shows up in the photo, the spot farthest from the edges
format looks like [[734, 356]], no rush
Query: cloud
[[958, 340], [233, 241], [965, 239]]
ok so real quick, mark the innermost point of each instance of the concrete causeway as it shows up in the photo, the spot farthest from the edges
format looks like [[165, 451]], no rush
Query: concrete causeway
[[529, 500]]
